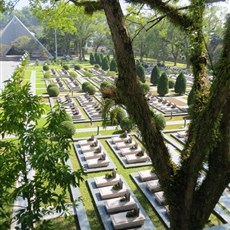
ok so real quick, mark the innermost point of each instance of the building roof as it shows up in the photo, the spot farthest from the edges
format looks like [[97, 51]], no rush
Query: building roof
[[15, 29]]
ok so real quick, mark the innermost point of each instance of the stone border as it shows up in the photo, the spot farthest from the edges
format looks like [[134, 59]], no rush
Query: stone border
[[82, 160], [161, 211], [123, 160], [79, 211], [105, 217]]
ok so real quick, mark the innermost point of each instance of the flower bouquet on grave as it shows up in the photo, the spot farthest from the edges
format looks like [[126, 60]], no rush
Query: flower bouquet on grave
[[134, 147], [102, 158], [98, 150], [91, 138], [133, 213], [126, 197], [118, 186], [108, 176], [140, 154]]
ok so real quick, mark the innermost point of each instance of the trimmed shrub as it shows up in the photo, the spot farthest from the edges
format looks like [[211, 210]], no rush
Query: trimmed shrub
[[97, 59], [105, 84], [96, 66], [145, 88], [88, 74], [140, 72], [126, 124], [163, 85], [73, 74], [117, 115], [171, 83], [90, 89], [53, 91], [84, 85], [113, 65], [67, 128], [180, 86], [51, 85], [160, 121], [65, 67], [105, 64], [77, 67], [91, 59], [155, 75], [47, 74], [190, 97], [45, 67], [111, 73]]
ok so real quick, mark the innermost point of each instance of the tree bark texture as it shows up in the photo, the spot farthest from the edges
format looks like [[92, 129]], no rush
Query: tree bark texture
[[190, 203]]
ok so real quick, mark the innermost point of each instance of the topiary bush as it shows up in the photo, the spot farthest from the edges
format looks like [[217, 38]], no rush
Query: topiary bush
[[105, 64], [105, 84], [53, 91], [47, 74], [45, 67], [163, 85], [155, 75], [96, 66], [113, 65], [140, 72], [90, 89], [180, 86], [67, 128], [73, 74], [91, 59], [51, 85], [77, 67], [84, 85], [126, 124], [171, 83], [160, 121], [65, 67]]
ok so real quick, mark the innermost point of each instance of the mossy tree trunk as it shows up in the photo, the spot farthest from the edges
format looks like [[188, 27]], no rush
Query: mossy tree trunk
[[190, 203]]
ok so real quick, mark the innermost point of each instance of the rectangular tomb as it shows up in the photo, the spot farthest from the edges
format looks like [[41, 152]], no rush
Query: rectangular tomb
[[120, 221], [109, 192], [97, 163], [102, 181], [147, 175], [117, 205], [136, 159]]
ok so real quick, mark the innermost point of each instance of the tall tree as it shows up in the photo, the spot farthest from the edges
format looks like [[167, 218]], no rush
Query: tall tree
[[140, 72], [36, 160]]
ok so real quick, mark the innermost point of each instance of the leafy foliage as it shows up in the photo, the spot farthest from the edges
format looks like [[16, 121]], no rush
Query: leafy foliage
[[53, 91], [140, 72], [33, 152], [91, 59], [180, 86], [105, 64], [163, 85], [113, 65], [126, 124], [155, 75]]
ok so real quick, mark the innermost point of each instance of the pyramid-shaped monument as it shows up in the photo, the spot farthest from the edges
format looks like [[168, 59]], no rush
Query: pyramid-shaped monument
[[15, 30]]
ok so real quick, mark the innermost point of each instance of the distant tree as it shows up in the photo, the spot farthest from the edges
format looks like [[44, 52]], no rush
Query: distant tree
[[90, 89], [105, 64], [180, 86], [68, 129], [97, 59], [140, 72], [113, 65], [155, 75], [163, 85], [91, 59]]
